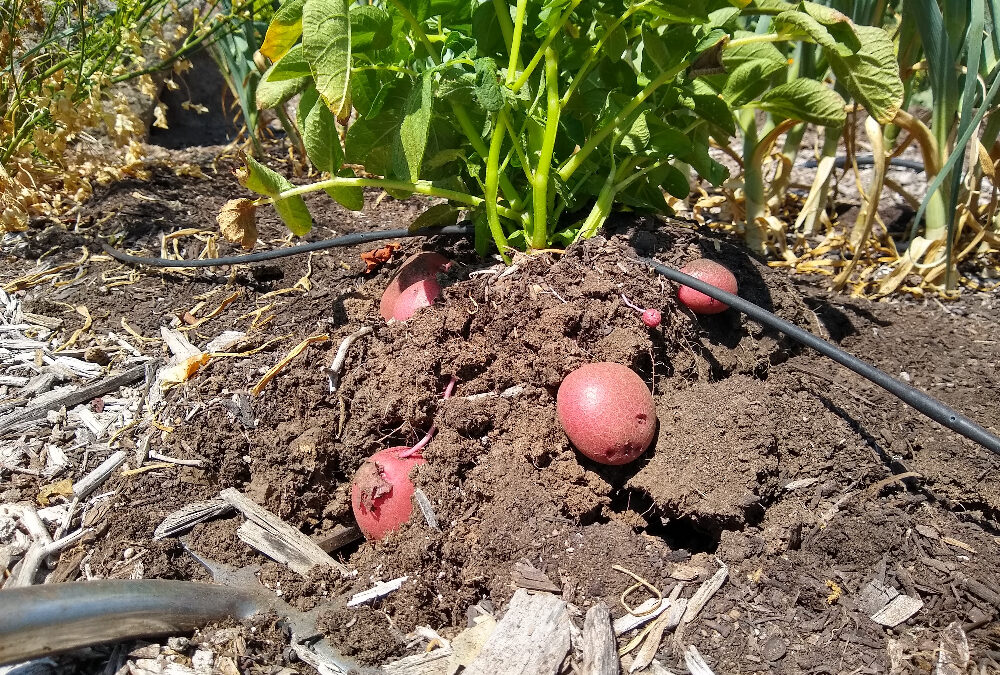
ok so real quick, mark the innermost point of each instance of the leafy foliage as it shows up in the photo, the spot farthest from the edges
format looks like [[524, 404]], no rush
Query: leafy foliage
[[539, 117]]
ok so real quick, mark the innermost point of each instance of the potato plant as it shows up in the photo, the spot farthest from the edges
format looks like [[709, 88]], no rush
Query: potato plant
[[538, 118]]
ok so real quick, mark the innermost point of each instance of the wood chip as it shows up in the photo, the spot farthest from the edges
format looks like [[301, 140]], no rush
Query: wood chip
[[276, 539], [600, 650], [532, 637], [524, 575], [651, 644], [705, 593], [73, 398], [338, 537], [953, 651], [377, 591], [96, 478], [426, 663], [695, 663], [898, 610], [645, 613], [188, 516]]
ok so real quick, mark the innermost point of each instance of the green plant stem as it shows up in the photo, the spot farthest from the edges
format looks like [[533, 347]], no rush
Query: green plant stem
[[390, 68], [540, 183], [636, 175], [521, 157], [502, 10], [417, 29], [753, 180], [22, 134], [589, 61], [510, 192], [420, 187], [574, 162], [515, 43], [490, 188], [544, 47], [602, 207], [755, 39]]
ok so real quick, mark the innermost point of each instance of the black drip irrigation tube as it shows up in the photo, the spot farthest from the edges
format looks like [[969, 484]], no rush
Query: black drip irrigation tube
[[916, 399], [928, 405], [345, 240]]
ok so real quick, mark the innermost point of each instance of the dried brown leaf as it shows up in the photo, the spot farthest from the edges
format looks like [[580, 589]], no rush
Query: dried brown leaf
[[238, 222]]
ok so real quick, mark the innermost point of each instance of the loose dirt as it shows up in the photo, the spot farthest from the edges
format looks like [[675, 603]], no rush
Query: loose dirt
[[768, 457]]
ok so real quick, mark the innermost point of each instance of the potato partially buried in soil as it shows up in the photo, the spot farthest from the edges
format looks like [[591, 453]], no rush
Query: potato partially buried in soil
[[607, 412], [382, 492]]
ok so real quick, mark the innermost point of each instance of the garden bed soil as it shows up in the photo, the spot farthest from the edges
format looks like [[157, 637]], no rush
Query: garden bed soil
[[768, 457]]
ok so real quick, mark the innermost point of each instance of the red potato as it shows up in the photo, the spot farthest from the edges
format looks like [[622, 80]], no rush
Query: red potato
[[711, 273], [607, 412], [414, 286], [382, 491], [651, 317]]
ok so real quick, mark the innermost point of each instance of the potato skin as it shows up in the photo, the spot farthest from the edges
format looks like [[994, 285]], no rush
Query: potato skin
[[382, 492], [710, 272], [607, 412], [414, 286]]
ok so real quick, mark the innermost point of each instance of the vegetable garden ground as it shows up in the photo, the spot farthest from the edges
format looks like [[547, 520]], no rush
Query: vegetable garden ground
[[807, 481]]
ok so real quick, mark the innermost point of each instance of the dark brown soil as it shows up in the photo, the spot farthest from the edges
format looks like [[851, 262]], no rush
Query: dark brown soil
[[744, 417]]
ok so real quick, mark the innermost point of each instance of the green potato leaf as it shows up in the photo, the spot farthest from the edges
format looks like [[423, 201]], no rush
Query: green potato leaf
[[411, 140], [285, 78], [807, 101], [262, 180], [326, 45]]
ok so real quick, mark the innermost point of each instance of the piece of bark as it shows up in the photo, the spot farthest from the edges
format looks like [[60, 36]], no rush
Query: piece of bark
[[338, 537], [281, 541], [426, 663], [527, 576], [190, 515], [532, 637], [897, 610], [81, 395], [600, 650], [705, 593]]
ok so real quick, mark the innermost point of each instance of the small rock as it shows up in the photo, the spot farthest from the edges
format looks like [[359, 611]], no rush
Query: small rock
[[774, 649]]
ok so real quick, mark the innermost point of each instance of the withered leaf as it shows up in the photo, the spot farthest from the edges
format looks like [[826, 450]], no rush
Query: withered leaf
[[238, 222]]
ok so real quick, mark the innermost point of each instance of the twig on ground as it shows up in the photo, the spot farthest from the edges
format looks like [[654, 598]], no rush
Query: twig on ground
[[96, 478], [377, 591], [174, 460]]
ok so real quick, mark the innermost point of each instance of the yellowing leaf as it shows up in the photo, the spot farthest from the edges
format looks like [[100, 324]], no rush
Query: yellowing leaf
[[237, 222], [284, 29]]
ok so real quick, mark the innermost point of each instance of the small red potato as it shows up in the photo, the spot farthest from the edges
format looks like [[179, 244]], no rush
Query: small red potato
[[381, 493], [651, 318], [711, 273], [414, 286], [607, 412]]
